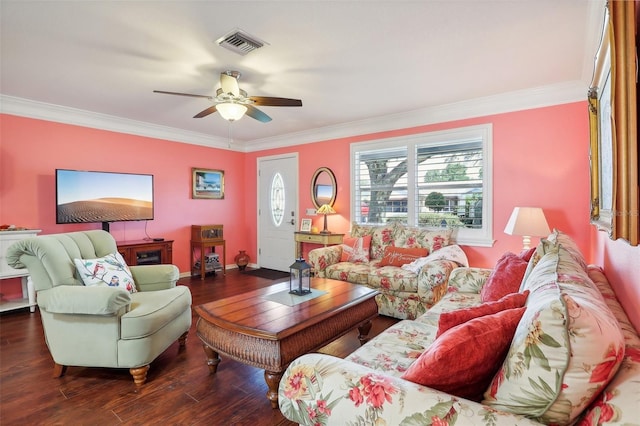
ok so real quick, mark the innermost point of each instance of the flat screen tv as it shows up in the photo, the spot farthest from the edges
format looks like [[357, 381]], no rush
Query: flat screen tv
[[90, 196]]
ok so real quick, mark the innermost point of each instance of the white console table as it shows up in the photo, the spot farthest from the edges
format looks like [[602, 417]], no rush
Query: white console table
[[28, 292]]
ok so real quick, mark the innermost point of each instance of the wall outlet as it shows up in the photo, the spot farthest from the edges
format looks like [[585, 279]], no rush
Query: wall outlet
[[311, 212]]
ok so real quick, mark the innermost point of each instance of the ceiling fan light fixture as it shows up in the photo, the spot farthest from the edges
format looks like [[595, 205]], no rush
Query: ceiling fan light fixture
[[231, 111]]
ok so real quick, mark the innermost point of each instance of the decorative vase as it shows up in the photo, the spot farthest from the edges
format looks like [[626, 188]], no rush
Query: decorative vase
[[242, 259]]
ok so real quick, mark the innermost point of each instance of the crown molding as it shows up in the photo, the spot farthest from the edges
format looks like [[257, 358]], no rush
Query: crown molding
[[539, 97], [78, 117]]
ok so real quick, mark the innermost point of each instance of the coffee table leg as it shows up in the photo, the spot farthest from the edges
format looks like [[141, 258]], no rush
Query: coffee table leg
[[273, 380], [213, 359], [363, 331]]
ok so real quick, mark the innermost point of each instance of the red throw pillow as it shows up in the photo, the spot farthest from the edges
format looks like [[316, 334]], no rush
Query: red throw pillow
[[355, 249], [450, 319], [526, 254], [398, 256], [465, 358], [505, 278]]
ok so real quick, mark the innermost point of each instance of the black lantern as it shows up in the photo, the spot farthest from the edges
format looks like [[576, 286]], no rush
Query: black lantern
[[300, 277]]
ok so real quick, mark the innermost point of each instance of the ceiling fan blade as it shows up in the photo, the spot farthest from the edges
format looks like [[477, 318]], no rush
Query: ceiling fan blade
[[254, 112], [269, 101], [183, 94], [206, 112], [229, 84]]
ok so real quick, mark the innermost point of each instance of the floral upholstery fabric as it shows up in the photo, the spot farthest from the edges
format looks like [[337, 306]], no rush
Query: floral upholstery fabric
[[357, 273], [417, 237], [397, 348], [449, 302], [381, 237], [567, 346], [468, 280], [366, 387], [405, 293], [615, 404], [319, 389], [393, 278]]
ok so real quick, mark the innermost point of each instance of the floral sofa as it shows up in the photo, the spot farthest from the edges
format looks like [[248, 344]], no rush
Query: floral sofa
[[406, 291], [572, 357]]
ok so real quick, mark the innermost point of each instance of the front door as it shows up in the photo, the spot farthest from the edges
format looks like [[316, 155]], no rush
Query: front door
[[277, 210]]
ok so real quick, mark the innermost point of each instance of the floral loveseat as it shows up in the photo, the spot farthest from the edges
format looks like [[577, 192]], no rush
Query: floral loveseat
[[574, 357], [406, 291]]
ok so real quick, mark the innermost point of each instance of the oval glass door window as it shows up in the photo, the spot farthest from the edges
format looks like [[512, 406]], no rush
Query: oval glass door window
[[277, 199]]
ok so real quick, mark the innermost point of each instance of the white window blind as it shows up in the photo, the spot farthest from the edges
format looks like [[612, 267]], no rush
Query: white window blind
[[436, 179]]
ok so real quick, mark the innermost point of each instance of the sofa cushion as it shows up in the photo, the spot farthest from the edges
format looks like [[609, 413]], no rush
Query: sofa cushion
[[459, 316], [355, 249], [152, 310], [398, 256], [381, 236], [566, 348], [477, 349], [110, 270], [419, 237], [393, 278], [394, 350], [357, 273], [505, 278]]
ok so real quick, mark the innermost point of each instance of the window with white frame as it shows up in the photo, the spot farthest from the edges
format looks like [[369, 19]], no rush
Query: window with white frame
[[435, 179]]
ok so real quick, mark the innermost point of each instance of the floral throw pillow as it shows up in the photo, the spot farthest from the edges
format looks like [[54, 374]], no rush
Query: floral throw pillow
[[355, 249], [566, 348], [110, 270]]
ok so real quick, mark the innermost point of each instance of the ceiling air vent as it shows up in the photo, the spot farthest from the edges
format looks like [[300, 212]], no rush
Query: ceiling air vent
[[240, 42]]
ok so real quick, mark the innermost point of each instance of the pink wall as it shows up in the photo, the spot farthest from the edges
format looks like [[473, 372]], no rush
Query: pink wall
[[621, 263], [540, 159], [32, 149]]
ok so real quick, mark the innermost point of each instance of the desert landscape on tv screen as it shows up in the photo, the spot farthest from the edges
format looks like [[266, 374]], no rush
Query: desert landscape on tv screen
[[103, 197], [104, 210]]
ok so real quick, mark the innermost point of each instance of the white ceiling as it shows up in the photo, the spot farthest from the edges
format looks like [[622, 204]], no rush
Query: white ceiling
[[358, 66]]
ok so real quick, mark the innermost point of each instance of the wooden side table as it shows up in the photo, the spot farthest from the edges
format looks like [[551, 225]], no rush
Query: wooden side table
[[203, 245], [203, 237], [310, 238]]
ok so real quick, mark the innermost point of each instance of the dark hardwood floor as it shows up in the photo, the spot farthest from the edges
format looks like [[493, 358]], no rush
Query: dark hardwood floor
[[179, 389]]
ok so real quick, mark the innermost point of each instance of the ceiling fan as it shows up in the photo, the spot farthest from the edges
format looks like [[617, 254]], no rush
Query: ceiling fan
[[232, 102]]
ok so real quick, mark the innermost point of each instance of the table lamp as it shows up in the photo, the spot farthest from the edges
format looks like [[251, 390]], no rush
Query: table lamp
[[325, 209], [528, 222]]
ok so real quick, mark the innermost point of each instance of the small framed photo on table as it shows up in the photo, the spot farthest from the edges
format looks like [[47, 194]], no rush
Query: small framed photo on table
[[305, 225]]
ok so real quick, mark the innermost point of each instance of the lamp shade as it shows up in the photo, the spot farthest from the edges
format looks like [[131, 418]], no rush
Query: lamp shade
[[231, 111], [527, 222], [326, 209]]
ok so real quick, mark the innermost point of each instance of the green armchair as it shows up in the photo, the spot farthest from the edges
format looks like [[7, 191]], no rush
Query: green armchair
[[102, 326]]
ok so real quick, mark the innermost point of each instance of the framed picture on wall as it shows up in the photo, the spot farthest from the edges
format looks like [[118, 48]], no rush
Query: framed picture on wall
[[600, 130], [207, 183], [305, 225]]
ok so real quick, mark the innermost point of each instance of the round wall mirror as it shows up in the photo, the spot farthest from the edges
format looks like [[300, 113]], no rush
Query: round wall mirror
[[323, 187]]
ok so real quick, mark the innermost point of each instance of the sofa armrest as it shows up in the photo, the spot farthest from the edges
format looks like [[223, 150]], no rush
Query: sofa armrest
[[468, 280], [74, 299], [433, 280], [322, 389], [322, 257], [155, 277]]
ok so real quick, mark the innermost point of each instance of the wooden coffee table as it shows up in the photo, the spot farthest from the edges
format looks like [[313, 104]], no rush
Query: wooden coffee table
[[254, 330]]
